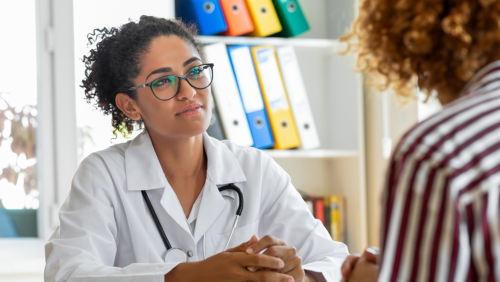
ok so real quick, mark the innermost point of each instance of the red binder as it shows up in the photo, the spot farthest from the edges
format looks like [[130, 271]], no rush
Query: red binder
[[237, 17]]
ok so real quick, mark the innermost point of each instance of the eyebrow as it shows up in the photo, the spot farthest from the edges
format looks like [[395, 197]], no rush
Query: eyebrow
[[169, 69]]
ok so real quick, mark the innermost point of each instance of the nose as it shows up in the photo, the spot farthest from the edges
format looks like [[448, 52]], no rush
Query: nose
[[186, 91]]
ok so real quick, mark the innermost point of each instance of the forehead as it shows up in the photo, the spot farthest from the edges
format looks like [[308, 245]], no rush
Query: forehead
[[168, 51]]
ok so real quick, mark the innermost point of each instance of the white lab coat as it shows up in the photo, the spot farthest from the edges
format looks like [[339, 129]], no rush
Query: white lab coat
[[107, 233]]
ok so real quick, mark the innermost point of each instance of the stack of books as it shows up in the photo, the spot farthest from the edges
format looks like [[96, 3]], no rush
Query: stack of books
[[330, 211], [239, 17]]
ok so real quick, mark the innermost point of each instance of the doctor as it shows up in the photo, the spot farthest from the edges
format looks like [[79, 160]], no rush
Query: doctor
[[151, 73]]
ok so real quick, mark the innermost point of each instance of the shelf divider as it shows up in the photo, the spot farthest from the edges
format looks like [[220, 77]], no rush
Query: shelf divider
[[275, 41], [311, 154]]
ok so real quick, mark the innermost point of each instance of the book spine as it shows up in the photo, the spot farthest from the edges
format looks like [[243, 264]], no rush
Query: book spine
[[335, 225], [320, 210]]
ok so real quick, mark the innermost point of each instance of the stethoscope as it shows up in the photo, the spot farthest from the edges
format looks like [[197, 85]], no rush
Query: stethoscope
[[178, 255]]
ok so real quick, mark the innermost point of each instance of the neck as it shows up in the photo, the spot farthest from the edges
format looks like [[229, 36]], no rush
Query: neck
[[180, 158]]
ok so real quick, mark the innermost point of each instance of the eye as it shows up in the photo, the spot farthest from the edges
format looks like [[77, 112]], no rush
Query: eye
[[164, 81], [197, 72]]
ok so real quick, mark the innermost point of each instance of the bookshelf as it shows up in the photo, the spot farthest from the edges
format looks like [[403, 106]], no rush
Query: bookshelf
[[275, 41], [336, 97], [311, 154]]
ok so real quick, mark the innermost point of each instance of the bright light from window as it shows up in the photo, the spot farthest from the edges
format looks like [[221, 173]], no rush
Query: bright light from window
[[94, 128], [18, 99], [426, 110]]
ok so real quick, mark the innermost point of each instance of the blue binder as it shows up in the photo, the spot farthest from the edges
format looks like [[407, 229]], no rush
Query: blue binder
[[206, 14], [249, 88]]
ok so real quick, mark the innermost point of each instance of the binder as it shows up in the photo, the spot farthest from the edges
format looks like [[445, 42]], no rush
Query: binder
[[248, 84], [226, 94], [264, 17], [291, 17], [237, 17], [206, 14], [297, 96], [273, 92], [215, 128]]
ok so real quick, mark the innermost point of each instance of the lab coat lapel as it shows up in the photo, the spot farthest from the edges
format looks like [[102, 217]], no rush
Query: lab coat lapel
[[222, 168], [171, 204], [142, 166], [144, 172], [211, 205]]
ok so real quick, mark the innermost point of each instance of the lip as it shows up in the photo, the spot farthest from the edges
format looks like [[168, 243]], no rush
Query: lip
[[190, 110]]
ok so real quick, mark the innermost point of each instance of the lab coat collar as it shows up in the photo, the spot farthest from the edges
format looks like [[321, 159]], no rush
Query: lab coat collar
[[144, 171], [222, 166], [142, 166]]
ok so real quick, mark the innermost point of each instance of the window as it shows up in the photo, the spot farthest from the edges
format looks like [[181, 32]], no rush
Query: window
[[19, 199], [94, 129]]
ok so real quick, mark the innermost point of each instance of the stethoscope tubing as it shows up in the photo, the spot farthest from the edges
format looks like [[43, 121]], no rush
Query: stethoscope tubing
[[156, 220], [163, 236]]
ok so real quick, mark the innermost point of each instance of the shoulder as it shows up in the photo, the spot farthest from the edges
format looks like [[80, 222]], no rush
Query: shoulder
[[115, 153], [247, 155], [102, 164], [443, 132]]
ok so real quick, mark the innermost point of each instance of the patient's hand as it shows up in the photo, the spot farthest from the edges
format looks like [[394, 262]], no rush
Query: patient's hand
[[361, 268]]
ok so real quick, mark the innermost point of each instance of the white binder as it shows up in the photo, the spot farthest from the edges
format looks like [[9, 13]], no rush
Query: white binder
[[226, 93], [297, 96]]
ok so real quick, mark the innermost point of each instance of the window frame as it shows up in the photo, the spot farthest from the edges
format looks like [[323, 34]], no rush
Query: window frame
[[56, 133]]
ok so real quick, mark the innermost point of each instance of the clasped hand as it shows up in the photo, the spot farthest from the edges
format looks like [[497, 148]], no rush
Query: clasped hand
[[292, 264], [244, 263]]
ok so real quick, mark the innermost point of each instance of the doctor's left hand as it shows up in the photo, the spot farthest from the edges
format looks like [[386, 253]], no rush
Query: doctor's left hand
[[279, 249]]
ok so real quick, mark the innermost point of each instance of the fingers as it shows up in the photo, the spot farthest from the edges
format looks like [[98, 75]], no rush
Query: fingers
[[297, 272], [293, 268], [348, 265], [264, 243], [243, 247], [285, 253], [261, 261], [262, 276], [252, 240], [372, 254]]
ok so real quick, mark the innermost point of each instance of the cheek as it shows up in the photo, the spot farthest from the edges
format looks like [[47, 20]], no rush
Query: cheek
[[160, 116]]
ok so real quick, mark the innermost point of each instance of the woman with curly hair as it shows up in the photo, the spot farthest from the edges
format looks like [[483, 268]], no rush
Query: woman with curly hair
[[441, 212], [133, 202]]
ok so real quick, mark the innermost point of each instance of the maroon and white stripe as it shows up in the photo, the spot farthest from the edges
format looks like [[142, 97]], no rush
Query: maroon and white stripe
[[441, 219]]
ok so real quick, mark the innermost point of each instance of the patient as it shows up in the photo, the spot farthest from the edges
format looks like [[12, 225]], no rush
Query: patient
[[441, 212]]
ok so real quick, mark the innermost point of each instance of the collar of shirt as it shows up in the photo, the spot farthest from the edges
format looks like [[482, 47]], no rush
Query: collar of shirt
[[483, 77], [144, 171]]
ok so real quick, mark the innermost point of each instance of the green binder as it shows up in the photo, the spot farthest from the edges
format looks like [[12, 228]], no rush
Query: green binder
[[291, 17]]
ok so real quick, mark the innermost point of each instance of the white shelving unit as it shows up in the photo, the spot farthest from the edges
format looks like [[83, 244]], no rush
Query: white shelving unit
[[335, 95], [275, 41], [312, 154]]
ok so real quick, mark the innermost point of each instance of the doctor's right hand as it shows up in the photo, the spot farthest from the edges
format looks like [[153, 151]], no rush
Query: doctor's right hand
[[230, 267]]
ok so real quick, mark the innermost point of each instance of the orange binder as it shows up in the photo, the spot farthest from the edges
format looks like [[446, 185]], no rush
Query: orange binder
[[264, 16], [237, 17]]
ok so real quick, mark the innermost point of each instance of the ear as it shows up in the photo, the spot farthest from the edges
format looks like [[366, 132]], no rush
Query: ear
[[128, 106]]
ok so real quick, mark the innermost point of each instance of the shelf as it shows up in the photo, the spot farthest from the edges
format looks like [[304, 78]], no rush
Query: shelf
[[312, 154], [274, 41]]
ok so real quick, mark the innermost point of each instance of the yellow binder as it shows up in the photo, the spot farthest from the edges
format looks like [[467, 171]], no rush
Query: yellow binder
[[264, 17], [273, 92]]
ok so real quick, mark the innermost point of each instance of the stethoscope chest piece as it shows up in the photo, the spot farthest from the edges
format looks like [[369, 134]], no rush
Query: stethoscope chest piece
[[175, 255]]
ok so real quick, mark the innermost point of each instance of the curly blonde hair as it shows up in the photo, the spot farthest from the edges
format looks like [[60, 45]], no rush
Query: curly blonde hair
[[435, 44]]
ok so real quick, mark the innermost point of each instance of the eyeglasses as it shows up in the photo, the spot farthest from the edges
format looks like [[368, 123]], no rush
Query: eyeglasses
[[167, 87]]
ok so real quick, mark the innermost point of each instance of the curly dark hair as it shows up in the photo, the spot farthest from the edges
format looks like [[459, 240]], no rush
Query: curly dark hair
[[116, 60], [439, 44]]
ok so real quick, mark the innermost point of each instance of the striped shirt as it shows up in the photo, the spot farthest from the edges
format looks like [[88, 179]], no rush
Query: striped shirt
[[441, 211]]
